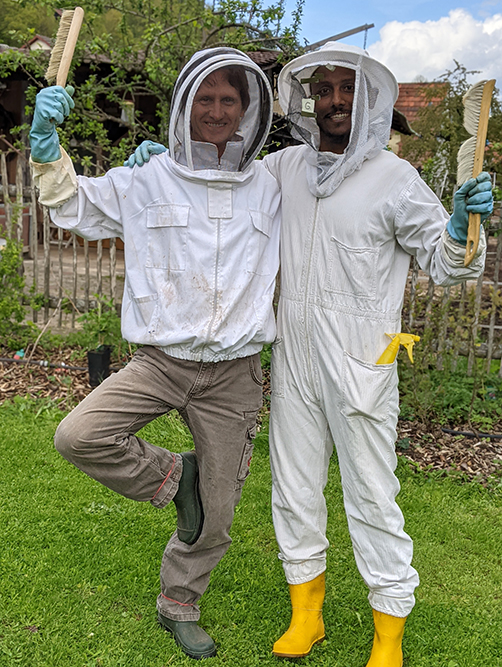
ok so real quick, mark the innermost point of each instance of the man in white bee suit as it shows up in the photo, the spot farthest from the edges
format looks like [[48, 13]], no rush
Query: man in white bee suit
[[201, 239], [352, 216]]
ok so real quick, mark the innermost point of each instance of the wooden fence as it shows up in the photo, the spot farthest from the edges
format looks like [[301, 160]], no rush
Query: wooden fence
[[64, 270], [68, 272]]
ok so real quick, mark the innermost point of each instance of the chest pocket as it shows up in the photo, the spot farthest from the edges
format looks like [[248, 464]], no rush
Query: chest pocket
[[352, 271], [167, 226], [260, 231]]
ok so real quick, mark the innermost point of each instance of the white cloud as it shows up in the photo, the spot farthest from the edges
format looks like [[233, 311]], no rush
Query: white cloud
[[429, 48]]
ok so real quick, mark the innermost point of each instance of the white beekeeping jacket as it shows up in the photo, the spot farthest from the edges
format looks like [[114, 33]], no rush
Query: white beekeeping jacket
[[201, 235]]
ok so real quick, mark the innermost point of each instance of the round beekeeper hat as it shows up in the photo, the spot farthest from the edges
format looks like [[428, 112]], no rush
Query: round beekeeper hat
[[255, 124], [334, 53]]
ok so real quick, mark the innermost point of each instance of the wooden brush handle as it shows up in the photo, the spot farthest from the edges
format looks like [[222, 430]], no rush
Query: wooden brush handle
[[69, 47], [474, 218], [472, 237]]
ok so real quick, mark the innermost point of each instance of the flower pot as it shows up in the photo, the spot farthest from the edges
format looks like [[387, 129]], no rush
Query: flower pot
[[98, 362]]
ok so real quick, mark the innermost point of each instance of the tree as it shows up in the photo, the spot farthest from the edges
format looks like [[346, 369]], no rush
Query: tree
[[142, 55], [441, 132], [40, 19]]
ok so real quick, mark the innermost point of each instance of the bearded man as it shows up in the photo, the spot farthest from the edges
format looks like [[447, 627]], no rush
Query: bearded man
[[353, 216]]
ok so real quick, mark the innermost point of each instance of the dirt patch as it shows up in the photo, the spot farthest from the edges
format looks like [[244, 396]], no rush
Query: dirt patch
[[434, 450], [66, 386]]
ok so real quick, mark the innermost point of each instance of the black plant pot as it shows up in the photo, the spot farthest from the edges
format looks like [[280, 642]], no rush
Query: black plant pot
[[98, 362]]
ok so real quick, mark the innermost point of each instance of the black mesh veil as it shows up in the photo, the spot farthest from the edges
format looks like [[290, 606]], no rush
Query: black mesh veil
[[375, 92]]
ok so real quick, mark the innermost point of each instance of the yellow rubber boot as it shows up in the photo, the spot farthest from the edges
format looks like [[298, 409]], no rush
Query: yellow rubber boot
[[306, 627], [387, 651]]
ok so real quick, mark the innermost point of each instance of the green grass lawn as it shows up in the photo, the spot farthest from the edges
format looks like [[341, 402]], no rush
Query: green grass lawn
[[79, 567]]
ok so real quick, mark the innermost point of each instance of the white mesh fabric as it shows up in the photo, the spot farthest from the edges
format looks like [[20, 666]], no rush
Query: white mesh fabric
[[376, 91], [254, 126]]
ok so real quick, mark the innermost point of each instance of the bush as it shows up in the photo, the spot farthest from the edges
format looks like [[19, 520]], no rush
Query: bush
[[101, 325], [11, 288]]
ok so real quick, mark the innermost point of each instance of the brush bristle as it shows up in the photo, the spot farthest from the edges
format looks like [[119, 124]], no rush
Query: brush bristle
[[59, 44], [465, 160], [472, 109], [472, 105]]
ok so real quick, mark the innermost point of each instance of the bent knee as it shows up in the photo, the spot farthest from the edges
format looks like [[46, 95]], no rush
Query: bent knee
[[63, 440], [70, 437]]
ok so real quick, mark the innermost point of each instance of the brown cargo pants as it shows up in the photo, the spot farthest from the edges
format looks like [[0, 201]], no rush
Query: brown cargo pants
[[219, 402]]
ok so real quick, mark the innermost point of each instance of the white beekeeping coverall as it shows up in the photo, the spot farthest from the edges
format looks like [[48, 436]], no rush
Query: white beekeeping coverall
[[201, 234], [351, 222]]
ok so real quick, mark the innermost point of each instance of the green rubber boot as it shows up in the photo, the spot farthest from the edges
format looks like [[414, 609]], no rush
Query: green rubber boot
[[191, 638], [187, 501]]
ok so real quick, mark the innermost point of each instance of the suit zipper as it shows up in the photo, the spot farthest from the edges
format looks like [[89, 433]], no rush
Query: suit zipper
[[307, 288]]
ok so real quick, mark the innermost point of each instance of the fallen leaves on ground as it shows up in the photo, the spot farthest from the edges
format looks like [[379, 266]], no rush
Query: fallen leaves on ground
[[61, 385], [429, 448], [432, 449]]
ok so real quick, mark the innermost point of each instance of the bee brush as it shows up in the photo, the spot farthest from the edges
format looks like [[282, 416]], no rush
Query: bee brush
[[64, 46], [477, 102]]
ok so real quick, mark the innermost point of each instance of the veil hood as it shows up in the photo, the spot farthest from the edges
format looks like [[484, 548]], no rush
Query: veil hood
[[376, 91], [254, 126]]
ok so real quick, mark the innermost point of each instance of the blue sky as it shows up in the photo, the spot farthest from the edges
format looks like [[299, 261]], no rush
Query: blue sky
[[418, 38]]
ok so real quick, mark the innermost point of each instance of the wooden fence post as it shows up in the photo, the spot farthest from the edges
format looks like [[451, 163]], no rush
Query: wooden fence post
[[493, 313], [34, 243], [6, 198], [47, 263]]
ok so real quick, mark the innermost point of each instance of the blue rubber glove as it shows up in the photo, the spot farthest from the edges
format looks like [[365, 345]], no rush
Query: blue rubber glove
[[475, 196], [143, 152], [52, 105]]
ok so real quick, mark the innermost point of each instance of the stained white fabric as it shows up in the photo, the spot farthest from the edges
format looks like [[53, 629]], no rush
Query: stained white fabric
[[56, 182], [344, 265], [201, 244]]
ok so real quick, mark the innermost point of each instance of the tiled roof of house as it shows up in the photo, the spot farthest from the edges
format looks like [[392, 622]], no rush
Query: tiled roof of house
[[416, 96]]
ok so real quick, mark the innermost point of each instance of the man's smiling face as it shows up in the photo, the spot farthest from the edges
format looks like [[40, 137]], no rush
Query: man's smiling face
[[334, 107], [216, 112]]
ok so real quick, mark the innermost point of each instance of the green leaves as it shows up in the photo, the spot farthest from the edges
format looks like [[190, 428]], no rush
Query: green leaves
[[11, 287], [130, 53], [101, 325]]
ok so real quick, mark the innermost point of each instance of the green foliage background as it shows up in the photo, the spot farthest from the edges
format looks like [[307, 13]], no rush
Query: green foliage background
[[131, 49]]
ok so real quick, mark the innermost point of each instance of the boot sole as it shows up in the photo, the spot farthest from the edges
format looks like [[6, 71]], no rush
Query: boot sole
[[186, 651], [195, 536], [299, 655]]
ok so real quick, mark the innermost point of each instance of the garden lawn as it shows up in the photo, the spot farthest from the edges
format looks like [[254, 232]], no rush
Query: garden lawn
[[79, 567]]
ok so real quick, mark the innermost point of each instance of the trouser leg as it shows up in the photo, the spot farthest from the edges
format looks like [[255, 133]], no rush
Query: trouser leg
[[221, 414], [362, 416], [382, 549], [98, 436], [300, 449]]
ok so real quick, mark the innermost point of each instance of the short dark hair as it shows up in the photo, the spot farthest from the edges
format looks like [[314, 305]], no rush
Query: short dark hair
[[236, 77]]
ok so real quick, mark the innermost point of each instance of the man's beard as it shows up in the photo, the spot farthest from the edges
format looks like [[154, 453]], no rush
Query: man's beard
[[334, 140]]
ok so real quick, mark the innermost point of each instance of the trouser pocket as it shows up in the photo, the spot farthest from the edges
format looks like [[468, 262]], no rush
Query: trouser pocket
[[247, 452]]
